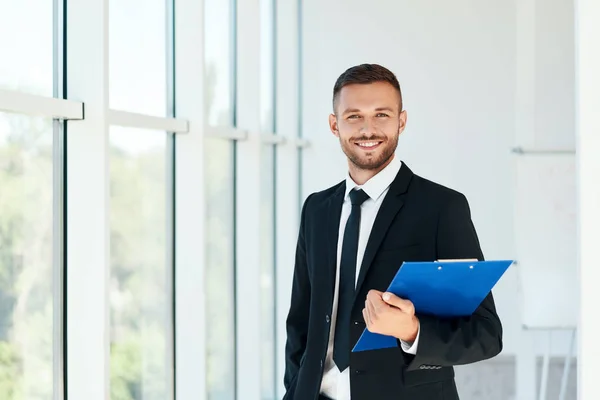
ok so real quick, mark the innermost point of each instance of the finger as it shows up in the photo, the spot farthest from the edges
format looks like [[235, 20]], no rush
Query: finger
[[366, 317], [404, 305], [372, 310], [374, 296]]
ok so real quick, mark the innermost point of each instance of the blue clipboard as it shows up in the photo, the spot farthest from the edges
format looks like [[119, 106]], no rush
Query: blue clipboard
[[445, 288]]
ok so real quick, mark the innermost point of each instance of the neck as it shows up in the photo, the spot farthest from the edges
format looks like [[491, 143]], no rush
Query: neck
[[361, 176]]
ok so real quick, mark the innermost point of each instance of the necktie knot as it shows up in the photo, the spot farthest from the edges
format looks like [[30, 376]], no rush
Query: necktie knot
[[358, 196]]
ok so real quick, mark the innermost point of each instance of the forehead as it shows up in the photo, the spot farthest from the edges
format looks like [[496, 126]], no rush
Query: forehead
[[370, 95]]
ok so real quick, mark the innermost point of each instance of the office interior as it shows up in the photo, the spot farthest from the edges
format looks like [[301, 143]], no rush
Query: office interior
[[155, 155]]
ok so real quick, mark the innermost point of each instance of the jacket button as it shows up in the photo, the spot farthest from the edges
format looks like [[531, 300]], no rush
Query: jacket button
[[327, 319]]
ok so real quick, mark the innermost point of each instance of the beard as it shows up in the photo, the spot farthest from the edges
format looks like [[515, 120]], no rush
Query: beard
[[370, 160]]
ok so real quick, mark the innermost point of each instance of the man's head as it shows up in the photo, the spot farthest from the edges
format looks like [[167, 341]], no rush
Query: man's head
[[367, 115]]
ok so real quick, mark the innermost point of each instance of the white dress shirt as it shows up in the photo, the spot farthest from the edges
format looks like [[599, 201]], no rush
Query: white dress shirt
[[336, 384]]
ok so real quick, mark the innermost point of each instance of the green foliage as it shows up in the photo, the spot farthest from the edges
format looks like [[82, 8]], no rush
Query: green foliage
[[138, 296], [138, 267], [25, 258], [138, 364], [9, 372]]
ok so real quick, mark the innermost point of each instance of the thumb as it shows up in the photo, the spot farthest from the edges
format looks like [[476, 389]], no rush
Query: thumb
[[404, 305]]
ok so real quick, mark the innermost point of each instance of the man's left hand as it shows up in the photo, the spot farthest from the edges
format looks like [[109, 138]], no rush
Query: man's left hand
[[388, 314]]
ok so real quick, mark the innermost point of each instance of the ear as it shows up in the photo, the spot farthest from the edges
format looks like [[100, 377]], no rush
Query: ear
[[333, 125], [402, 121]]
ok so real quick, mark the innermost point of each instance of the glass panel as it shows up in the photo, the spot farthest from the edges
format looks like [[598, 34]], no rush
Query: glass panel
[[138, 56], [267, 233], [140, 273], [219, 61], [267, 279], [267, 65], [26, 43], [220, 312], [26, 257]]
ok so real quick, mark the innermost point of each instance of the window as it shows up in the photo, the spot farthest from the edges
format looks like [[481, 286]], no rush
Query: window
[[138, 56], [219, 158], [220, 296], [141, 271], [267, 65], [267, 282], [219, 48], [27, 46], [27, 269]]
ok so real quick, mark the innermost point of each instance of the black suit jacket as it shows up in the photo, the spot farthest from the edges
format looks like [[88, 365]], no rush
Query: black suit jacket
[[418, 221]]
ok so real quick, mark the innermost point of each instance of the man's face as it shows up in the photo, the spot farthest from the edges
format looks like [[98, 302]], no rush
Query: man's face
[[368, 122]]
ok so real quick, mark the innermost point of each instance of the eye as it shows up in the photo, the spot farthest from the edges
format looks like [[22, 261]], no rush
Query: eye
[[353, 116], [382, 115]]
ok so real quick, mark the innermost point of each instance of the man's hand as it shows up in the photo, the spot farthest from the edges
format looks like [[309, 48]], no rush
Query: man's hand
[[388, 314]]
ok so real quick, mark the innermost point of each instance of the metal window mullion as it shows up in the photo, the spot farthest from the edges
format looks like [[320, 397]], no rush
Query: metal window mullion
[[542, 151], [271, 138], [58, 212], [226, 133], [190, 202], [170, 345], [170, 264], [150, 122], [58, 264], [87, 210], [286, 165], [41, 106], [248, 221]]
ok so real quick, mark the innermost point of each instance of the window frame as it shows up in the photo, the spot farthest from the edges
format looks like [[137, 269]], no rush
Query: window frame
[[82, 117]]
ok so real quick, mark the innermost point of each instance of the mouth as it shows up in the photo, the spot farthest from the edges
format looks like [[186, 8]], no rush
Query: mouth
[[369, 145]]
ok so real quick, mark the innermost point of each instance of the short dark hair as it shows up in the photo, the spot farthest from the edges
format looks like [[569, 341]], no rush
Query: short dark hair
[[365, 74]]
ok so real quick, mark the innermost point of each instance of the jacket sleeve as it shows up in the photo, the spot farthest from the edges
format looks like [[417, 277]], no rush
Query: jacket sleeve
[[297, 319], [456, 341]]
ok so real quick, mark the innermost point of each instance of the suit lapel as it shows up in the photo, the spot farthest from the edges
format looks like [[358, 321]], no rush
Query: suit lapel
[[333, 211], [391, 205]]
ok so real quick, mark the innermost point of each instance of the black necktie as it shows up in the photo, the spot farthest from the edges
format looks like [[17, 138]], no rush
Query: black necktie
[[341, 346]]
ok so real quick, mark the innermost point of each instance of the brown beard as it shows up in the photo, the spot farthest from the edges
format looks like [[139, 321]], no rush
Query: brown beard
[[389, 147]]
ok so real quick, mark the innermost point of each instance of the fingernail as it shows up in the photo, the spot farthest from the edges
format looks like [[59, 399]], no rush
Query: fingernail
[[386, 296]]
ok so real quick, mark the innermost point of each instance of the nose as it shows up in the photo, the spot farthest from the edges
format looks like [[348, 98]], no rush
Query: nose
[[368, 127]]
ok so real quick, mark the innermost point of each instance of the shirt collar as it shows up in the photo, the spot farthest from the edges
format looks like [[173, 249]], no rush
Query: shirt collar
[[375, 186]]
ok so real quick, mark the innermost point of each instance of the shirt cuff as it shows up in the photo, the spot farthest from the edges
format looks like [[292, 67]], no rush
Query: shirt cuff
[[411, 348]]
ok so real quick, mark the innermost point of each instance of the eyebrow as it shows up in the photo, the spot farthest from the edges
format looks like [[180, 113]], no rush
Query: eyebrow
[[353, 110]]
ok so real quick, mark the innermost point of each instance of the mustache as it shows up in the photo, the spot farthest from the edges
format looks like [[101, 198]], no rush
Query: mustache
[[368, 139]]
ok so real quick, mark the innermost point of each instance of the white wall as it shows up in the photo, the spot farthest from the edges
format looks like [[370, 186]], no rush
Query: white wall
[[467, 77]]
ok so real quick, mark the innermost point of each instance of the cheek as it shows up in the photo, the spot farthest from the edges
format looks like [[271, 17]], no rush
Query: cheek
[[390, 129], [347, 131]]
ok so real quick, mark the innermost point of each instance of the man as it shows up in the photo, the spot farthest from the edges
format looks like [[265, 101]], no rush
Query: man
[[353, 238]]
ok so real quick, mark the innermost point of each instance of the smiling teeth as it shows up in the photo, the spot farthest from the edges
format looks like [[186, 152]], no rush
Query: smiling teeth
[[370, 144]]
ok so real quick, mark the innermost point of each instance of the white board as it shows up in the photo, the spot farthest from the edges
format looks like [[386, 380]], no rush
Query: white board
[[545, 234]]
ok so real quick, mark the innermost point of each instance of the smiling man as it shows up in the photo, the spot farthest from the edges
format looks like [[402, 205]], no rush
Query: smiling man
[[353, 238]]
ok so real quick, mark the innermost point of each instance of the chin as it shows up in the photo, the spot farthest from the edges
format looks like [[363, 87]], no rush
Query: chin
[[371, 160], [368, 164]]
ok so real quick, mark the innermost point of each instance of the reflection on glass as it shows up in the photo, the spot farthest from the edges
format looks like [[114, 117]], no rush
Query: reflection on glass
[[267, 65], [218, 53], [26, 257], [220, 357], [139, 291], [267, 277], [26, 43], [138, 56]]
